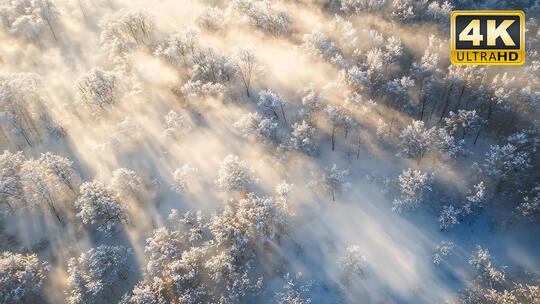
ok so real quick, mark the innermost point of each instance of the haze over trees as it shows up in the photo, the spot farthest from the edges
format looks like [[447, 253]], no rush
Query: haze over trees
[[263, 151]]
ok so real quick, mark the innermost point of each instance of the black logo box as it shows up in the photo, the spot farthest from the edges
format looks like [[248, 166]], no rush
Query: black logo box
[[513, 30]]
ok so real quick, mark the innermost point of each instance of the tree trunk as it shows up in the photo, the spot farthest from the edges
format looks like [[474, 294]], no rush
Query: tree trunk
[[52, 30], [358, 148], [55, 212], [490, 109], [58, 217], [26, 138], [459, 99], [82, 9], [68, 184], [508, 124], [446, 102], [477, 134], [421, 101], [333, 137], [423, 107], [391, 129], [283, 113]]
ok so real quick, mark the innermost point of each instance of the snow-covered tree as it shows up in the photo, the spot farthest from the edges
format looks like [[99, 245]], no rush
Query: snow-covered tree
[[475, 199], [505, 162], [486, 273], [339, 117], [95, 273], [35, 183], [441, 251], [378, 60], [282, 194], [302, 138], [148, 291], [249, 222], [399, 92], [122, 32], [128, 26], [200, 89], [444, 145], [253, 125], [182, 177], [126, 183], [98, 206], [355, 78], [463, 118], [21, 276], [175, 268], [439, 11], [353, 265], [492, 286], [311, 103], [235, 174], [175, 124], [127, 132], [409, 11], [181, 279], [97, 90], [42, 187], [210, 17], [162, 248], [30, 18], [350, 7], [293, 291], [21, 105], [448, 217], [331, 181], [383, 131], [246, 64], [530, 206], [58, 168], [394, 49], [192, 223], [188, 277], [525, 140], [264, 16], [17, 21], [48, 12], [517, 293], [415, 140], [230, 275], [413, 184], [272, 104], [348, 36], [178, 49], [244, 227], [212, 67], [426, 73], [10, 179], [44, 181], [318, 44]]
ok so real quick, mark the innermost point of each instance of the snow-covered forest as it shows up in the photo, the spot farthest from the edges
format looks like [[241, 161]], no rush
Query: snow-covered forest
[[257, 151]]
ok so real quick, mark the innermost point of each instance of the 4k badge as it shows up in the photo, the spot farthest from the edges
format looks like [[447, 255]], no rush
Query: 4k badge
[[488, 37]]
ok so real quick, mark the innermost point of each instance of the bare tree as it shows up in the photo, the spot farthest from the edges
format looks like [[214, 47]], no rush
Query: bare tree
[[246, 63]]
